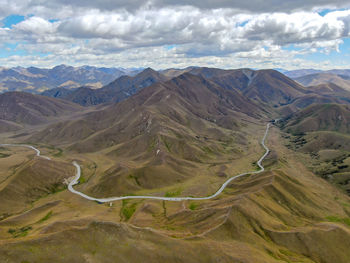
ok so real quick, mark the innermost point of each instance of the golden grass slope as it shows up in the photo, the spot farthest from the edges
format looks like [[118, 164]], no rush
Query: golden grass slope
[[286, 214]]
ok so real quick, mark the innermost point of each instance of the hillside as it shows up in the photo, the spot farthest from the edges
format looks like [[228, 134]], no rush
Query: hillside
[[115, 91], [25, 108], [320, 117], [268, 218], [266, 86]]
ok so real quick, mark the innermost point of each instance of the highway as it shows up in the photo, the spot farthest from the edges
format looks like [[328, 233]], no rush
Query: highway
[[110, 199]]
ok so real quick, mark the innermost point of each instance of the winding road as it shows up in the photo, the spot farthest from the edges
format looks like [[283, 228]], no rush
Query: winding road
[[110, 199]]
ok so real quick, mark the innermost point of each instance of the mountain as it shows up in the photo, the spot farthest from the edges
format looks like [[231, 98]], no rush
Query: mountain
[[300, 72], [321, 133], [266, 86], [167, 127], [36, 80], [320, 117], [310, 99], [342, 72], [175, 72], [183, 135], [341, 81], [116, 91], [30, 109], [277, 89]]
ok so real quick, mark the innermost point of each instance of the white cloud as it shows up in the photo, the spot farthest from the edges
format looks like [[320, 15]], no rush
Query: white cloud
[[212, 31], [36, 25], [93, 33]]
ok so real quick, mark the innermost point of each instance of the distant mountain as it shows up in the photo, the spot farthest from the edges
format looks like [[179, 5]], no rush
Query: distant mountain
[[36, 80], [300, 72], [341, 81], [17, 108], [116, 91], [343, 72], [174, 72]]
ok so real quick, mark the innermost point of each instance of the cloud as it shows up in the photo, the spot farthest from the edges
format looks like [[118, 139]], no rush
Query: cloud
[[197, 31], [36, 25], [67, 8], [192, 30]]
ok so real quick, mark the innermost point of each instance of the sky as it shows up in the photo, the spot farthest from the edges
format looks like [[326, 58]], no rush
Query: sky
[[288, 34]]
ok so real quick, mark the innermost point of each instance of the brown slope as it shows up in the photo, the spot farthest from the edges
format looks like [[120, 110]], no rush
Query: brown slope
[[184, 95], [25, 108], [266, 86], [273, 87]]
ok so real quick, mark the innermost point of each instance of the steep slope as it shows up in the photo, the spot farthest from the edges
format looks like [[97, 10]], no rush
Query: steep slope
[[273, 87], [184, 95], [266, 86], [25, 108], [115, 91]]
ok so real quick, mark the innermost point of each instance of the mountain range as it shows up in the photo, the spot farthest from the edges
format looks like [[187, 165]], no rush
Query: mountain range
[[36, 80], [178, 133]]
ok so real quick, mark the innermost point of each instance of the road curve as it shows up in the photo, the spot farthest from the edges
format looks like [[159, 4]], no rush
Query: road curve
[[110, 199], [223, 186], [27, 146]]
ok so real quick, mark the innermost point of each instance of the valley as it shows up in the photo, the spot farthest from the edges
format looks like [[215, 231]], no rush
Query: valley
[[186, 161]]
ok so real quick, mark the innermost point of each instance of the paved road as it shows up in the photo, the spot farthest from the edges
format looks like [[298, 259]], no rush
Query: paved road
[[27, 146], [110, 199]]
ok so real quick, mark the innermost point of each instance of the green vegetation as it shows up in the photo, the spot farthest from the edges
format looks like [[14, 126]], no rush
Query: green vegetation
[[152, 145], [4, 155], [21, 232], [135, 178], [207, 150], [337, 219], [128, 209], [56, 187], [59, 153], [46, 217], [173, 193], [166, 143], [255, 166], [82, 179], [193, 206]]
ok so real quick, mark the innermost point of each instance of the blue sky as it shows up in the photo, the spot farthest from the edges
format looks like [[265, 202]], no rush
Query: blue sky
[[178, 34]]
